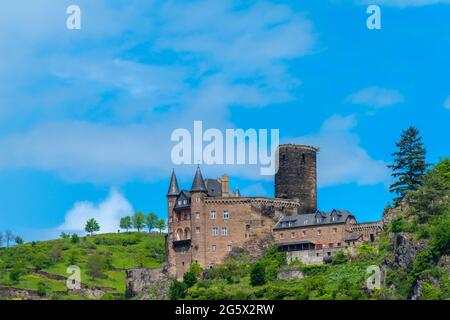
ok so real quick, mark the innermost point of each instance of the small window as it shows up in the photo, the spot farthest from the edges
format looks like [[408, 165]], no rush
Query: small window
[[281, 235], [291, 223], [338, 244], [229, 248], [292, 234], [197, 230], [213, 215], [334, 230], [182, 263], [224, 231], [184, 201], [214, 248], [215, 232], [304, 232], [319, 232], [197, 215], [305, 222], [179, 202], [225, 215]]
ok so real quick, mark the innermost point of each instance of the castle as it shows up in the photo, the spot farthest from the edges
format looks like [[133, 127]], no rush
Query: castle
[[210, 221]]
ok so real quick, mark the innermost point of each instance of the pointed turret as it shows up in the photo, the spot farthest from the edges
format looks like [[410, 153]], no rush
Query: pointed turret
[[198, 185], [237, 193], [174, 190]]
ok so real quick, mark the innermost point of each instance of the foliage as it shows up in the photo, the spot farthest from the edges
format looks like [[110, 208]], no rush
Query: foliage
[[151, 221], [258, 274], [138, 221], [177, 290], [409, 163], [18, 240], [96, 266], [75, 238], [126, 223], [91, 226]]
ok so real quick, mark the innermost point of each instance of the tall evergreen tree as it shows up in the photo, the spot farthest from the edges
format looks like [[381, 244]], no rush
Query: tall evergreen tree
[[409, 163]]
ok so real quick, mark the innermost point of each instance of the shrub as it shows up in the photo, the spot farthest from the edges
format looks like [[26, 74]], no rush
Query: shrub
[[42, 288], [96, 266], [75, 239], [177, 290], [258, 274], [189, 278]]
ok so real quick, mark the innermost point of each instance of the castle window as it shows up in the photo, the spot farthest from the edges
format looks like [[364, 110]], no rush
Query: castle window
[[224, 231], [319, 232], [281, 235], [304, 232], [247, 227], [215, 232], [185, 201], [303, 158], [334, 230], [179, 202], [305, 222], [292, 234], [226, 215], [214, 248], [338, 244], [213, 214], [197, 199], [229, 247], [291, 223], [197, 230], [197, 215]]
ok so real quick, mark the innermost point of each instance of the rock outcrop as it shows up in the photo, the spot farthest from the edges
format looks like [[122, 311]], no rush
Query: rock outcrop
[[147, 284], [290, 274]]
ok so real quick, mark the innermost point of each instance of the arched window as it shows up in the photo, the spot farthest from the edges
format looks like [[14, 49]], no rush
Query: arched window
[[179, 235], [187, 233]]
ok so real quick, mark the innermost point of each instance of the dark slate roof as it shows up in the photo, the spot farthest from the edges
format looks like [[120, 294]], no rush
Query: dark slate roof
[[184, 195], [198, 184], [214, 187], [313, 219], [174, 190]]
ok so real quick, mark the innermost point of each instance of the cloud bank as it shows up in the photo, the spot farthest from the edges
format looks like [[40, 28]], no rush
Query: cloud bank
[[107, 213], [376, 97]]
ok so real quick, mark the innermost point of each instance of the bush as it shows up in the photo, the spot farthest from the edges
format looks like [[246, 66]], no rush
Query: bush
[[189, 278], [258, 274], [339, 258], [42, 288], [177, 290], [75, 239]]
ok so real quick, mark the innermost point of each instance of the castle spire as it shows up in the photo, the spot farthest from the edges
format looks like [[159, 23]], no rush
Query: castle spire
[[174, 190], [198, 184]]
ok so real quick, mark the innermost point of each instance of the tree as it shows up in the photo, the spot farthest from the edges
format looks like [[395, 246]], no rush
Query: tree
[[258, 274], [64, 235], [151, 221], [18, 240], [75, 238], [138, 221], [160, 224], [2, 239], [91, 226], [126, 223], [9, 236], [409, 163], [177, 290]]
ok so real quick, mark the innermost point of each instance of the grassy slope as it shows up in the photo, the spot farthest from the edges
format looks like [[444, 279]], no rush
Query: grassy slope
[[124, 251]]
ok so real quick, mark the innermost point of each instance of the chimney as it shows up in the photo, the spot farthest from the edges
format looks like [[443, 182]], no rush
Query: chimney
[[225, 186]]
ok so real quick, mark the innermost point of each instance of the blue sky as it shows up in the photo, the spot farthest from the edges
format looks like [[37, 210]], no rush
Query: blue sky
[[86, 115]]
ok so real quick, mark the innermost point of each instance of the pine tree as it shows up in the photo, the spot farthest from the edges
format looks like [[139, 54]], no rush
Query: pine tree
[[409, 163]]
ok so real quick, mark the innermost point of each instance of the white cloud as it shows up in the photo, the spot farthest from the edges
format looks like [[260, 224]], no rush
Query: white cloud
[[107, 213], [404, 3], [376, 97], [341, 158], [447, 103]]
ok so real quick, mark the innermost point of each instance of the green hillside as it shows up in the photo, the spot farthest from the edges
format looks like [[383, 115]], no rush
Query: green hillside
[[101, 258]]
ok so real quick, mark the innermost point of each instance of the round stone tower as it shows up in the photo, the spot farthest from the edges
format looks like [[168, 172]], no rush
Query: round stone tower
[[297, 175]]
